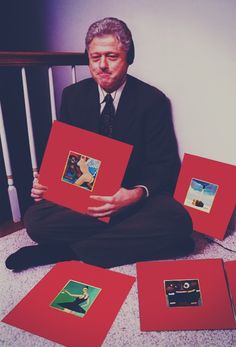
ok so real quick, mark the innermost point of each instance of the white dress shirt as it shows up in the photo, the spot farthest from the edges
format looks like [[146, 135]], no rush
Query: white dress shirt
[[116, 98]]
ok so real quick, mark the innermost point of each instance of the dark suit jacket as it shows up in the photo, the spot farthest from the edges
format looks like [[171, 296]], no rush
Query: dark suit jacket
[[143, 119]]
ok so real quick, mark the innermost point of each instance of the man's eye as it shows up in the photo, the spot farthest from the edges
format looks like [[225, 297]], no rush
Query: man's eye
[[95, 57], [113, 56]]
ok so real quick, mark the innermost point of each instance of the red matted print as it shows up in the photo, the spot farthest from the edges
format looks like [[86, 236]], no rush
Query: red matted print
[[75, 304], [78, 163], [207, 190], [195, 303]]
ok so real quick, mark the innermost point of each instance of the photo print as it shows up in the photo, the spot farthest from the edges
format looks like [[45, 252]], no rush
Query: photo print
[[201, 195], [81, 170], [75, 298], [182, 293]]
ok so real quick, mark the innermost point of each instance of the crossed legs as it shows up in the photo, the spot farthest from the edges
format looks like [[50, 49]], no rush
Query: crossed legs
[[157, 228]]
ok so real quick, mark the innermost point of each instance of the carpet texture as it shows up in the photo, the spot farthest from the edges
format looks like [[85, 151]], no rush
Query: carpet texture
[[125, 329]]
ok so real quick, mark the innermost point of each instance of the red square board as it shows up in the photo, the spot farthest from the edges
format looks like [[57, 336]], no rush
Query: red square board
[[207, 190], [35, 314], [181, 311], [110, 155]]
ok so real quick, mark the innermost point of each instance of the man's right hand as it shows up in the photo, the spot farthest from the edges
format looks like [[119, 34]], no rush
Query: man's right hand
[[38, 189]]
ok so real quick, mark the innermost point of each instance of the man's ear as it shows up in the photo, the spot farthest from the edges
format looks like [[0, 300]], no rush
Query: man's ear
[[131, 53]]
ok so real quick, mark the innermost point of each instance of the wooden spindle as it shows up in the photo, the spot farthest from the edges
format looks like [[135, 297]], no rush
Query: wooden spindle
[[73, 72], [12, 192], [29, 123], [52, 94]]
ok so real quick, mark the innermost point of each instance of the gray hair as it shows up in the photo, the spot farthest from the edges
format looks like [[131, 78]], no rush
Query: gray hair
[[110, 26]]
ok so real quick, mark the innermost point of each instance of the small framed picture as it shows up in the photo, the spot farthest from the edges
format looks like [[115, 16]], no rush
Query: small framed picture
[[81, 170], [75, 304], [201, 195], [182, 293], [78, 163], [189, 294], [206, 189], [75, 298]]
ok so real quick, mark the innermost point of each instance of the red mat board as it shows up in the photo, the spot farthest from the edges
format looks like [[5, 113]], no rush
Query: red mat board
[[68, 147], [207, 190], [36, 314], [168, 295]]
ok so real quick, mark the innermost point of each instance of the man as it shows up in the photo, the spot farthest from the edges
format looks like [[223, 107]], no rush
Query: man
[[146, 222]]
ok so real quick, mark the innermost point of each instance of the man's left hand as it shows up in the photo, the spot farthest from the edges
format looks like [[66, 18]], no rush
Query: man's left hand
[[113, 204]]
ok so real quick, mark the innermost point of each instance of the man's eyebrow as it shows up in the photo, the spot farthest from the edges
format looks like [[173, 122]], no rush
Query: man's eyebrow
[[106, 53]]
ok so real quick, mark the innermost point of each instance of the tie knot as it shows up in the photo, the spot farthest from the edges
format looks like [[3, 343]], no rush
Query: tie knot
[[108, 98]]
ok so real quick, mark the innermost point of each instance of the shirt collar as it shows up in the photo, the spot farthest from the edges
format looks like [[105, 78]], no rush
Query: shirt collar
[[115, 95]]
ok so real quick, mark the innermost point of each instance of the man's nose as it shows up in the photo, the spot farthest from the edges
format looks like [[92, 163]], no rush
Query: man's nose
[[103, 62]]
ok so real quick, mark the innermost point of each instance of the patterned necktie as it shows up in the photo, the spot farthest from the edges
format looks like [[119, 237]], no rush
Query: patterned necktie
[[107, 116]]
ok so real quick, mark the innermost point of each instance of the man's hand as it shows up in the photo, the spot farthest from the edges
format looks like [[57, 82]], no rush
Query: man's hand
[[113, 204], [37, 190]]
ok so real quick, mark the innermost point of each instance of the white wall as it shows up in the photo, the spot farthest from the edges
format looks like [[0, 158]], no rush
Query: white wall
[[187, 48]]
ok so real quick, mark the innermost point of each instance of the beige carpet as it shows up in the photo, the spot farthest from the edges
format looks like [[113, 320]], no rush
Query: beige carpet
[[125, 329]]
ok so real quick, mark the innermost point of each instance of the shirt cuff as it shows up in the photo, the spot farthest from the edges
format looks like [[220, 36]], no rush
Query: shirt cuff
[[144, 187]]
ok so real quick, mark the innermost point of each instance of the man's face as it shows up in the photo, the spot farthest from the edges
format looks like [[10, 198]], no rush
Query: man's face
[[107, 62]]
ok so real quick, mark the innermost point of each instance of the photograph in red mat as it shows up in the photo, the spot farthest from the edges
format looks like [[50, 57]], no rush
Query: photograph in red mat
[[205, 187], [190, 294], [81, 170], [201, 195], [50, 309], [75, 298], [181, 293]]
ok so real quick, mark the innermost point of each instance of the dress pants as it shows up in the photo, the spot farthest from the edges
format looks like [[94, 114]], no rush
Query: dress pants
[[158, 227]]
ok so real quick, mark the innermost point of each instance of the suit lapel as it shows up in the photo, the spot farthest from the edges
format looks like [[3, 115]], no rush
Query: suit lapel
[[92, 108], [125, 115]]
